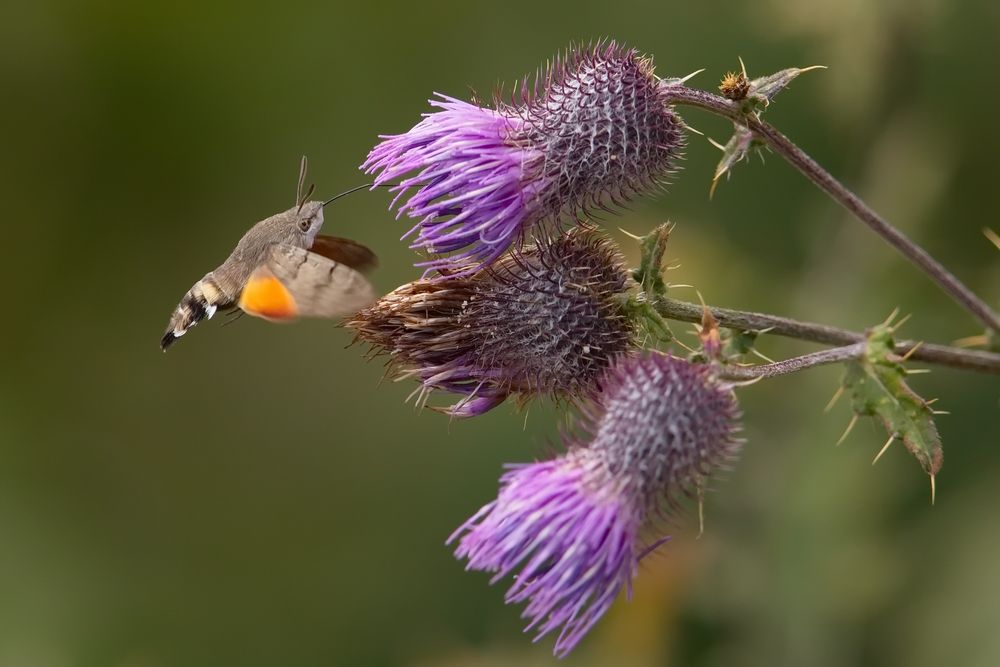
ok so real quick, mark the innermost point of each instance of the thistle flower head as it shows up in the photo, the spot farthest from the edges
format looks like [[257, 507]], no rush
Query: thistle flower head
[[568, 529], [599, 117], [593, 130], [570, 534], [548, 320], [662, 426]]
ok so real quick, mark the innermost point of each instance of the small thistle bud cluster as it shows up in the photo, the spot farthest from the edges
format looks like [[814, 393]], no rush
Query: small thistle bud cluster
[[546, 321], [568, 529], [735, 86], [593, 130]]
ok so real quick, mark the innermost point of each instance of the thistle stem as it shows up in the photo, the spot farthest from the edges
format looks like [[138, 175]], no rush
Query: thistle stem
[[974, 360], [783, 146], [831, 356]]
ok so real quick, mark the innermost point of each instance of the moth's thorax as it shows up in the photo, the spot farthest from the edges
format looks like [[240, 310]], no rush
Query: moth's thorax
[[296, 227]]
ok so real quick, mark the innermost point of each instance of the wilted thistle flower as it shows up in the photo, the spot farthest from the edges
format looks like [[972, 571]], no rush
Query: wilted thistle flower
[[594, 129], [568, 529], [546, 321]]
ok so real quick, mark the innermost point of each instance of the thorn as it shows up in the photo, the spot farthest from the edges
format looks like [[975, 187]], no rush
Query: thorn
[[691, 75], [629, 234], [762, 355], [687, 126], [909, 353], [850, 427], [940, 412], [900, 324], [884, 447], [917, 371], [711, 190], [971, 341], [833, 401], [811, 68], [932, 401], [716, 144], [992, 236], [933, 490], [747, 383], [701, 513], [743, 67], [686, 348], [892, 316]]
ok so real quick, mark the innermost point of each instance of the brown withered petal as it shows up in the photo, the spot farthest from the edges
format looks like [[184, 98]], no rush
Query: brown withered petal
[[545, 320]]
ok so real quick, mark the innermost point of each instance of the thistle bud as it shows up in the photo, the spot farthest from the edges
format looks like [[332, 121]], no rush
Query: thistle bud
[[664, 425], [546, 321], [568, 529], [593, 130]]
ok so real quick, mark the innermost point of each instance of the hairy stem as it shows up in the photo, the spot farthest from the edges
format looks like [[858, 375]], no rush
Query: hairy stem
[[783, 146], [831, 356], [975, 360]]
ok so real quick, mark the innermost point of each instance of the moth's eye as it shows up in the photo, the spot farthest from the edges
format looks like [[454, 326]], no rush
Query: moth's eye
[[305, 224]]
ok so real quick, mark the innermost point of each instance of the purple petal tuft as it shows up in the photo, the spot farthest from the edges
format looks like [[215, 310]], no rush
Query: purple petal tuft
[[472, 194], [568, 539]]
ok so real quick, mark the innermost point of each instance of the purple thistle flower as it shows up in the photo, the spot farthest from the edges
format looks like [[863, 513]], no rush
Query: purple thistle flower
[[473, 193], [593, 130], [546, 321], [570, 532], [568, 529]]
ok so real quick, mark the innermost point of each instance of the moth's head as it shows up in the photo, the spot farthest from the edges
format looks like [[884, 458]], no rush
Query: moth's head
[[308, 220], [307, 215]]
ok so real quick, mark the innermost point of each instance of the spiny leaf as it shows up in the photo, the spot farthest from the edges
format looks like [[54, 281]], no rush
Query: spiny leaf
[[736, 149], [642, 311], [764, 89], [652, 247], [737, 343], [877, 383], [649, 275]]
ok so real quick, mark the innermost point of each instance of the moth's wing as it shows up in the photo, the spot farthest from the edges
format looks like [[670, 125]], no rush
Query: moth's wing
[[297, 283], [345, 251]]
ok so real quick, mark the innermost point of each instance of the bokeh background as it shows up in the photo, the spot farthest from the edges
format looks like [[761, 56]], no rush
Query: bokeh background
[[256, 497]]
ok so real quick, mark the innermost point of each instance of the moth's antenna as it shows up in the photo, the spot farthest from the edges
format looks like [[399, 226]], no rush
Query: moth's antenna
[[303, 168], [302, 202], [360, 187]]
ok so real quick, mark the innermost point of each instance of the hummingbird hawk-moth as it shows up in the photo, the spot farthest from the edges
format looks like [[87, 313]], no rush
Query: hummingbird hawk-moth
[[281, 269]]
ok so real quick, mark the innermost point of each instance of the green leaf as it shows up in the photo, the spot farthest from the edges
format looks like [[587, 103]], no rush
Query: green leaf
[[649, 275], [736, 149], [764, 89], [642, 311], [652, 247], [737, 343], [877, 384]]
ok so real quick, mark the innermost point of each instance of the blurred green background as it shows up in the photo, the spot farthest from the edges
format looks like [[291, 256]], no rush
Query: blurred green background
[[255, 497]]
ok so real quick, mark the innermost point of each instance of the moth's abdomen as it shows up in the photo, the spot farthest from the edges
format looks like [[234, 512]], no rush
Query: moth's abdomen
[[200, 303]]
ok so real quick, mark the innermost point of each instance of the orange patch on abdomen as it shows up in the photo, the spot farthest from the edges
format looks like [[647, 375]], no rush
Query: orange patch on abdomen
[[265, 296]]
